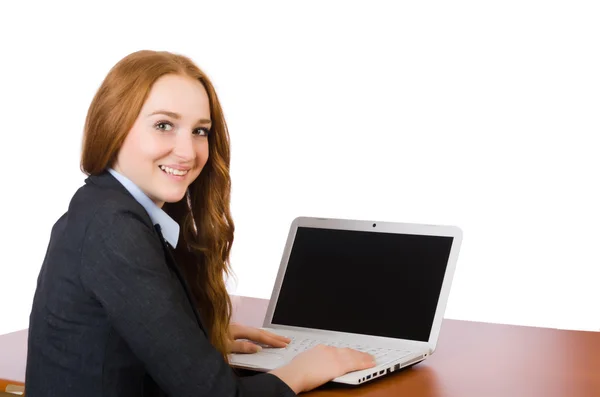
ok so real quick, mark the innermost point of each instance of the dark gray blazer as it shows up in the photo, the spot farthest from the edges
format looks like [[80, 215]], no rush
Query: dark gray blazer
[[112, 315]]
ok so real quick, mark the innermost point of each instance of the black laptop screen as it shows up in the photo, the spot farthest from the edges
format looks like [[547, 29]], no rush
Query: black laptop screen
[[367, 283]]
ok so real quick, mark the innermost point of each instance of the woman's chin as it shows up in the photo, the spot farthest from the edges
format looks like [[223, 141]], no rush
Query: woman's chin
[[173, 198]]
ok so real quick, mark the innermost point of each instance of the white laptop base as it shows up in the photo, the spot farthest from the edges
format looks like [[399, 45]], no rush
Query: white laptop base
[[387, 359], [403, 272]]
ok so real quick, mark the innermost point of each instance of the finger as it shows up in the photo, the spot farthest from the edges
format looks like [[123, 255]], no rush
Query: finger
[[239, 331], [265, 337], [276, 336], [239, 346], [357, 359], [268, 341], [276, 340], [283, 338], [236, 331], [367, 361]]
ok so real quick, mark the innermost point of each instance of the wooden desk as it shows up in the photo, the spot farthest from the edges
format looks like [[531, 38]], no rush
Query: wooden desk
[[472, 360], [481, 360], [13, 354]]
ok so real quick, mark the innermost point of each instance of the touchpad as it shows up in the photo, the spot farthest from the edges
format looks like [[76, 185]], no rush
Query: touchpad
[[261, 359]]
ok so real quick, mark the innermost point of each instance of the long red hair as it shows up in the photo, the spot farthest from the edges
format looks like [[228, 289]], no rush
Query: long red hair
[[204, 214]]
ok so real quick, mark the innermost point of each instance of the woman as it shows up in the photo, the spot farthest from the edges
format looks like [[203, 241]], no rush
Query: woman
[[131, 299]]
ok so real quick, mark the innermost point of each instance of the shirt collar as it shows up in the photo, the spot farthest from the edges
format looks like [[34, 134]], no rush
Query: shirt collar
[[169, 227]]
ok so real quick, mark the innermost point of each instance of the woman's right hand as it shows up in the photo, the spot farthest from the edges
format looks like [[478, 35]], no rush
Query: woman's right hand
[[321, 364]]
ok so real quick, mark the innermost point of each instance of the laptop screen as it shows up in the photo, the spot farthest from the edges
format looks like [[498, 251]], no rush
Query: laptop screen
[[368, 283]]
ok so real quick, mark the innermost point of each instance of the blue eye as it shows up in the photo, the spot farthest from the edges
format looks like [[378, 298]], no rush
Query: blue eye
[[203, 131]]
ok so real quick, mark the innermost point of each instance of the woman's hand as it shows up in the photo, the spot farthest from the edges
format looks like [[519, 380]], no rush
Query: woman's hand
[[238, 331], [321, 364]]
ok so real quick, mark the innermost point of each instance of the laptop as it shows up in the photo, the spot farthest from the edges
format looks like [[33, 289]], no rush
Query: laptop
[[377, 287]]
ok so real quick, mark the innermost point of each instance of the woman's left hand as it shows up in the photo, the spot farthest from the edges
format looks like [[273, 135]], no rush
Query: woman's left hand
[[238, 331]]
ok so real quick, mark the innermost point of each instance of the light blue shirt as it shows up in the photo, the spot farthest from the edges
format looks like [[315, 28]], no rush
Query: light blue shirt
[[169, 228]]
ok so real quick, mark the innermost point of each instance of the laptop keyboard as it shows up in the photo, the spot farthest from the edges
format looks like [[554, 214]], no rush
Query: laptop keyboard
[[381, 355]]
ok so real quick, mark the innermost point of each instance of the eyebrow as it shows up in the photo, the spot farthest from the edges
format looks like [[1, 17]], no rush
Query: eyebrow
[[177, 116]]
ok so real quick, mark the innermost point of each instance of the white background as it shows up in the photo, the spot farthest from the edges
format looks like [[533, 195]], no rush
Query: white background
[[478, 114]]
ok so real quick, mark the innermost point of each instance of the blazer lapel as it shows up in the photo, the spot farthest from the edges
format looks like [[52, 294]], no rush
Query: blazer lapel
[[173, 265], [106, 180]]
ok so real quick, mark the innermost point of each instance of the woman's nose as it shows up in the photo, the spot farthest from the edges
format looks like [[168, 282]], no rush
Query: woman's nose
[[184, 147]]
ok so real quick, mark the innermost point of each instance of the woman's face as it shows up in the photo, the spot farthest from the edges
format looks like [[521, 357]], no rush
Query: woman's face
[[167, 146]]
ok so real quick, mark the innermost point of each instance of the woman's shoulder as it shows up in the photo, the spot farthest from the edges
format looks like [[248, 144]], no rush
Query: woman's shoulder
[[103, 199]]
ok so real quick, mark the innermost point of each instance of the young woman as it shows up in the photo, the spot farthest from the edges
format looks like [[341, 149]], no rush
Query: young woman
[[131, 299]]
